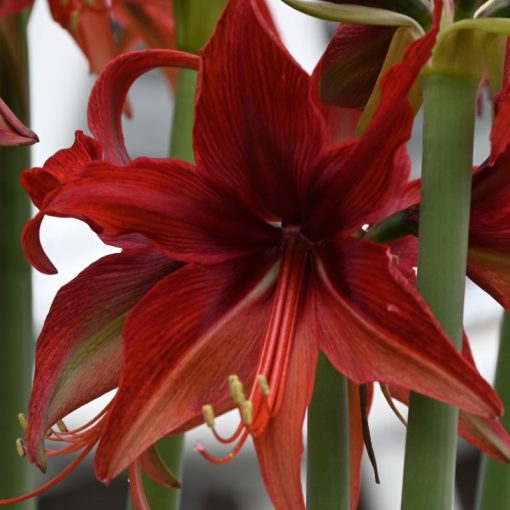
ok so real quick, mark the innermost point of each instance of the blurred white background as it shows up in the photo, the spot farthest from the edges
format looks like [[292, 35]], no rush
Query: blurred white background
[[60, 87]]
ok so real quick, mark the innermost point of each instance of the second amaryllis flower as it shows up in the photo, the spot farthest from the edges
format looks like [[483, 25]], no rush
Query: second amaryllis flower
[[270, 272]]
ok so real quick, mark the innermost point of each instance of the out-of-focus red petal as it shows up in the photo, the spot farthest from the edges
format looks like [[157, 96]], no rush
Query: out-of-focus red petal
[[280, 447], [167, 202], [78, 353], [90, 27], [376, 327], [257, 133], [367, 183], [65, 165], [150, 22], [490, 270], [352, 62], [156, 469], [12, 130], [8, 7], [109, 94], [172, 367]]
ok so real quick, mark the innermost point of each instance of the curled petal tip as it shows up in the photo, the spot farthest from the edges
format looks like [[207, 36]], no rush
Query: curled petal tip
[[12, 130]]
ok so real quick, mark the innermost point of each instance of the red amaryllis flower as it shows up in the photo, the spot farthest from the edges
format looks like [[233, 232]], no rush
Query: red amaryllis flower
[[12, 130], [489, 229], [263, 225], [92, 26]]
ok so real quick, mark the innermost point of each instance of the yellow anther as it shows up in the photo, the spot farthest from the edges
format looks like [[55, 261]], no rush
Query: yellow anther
[[247, 412], [49, 432], [23, 421], [62, 426], [90, 3], [74, 20], [20, 447], [264, 386], [236, 389], [208, 414]]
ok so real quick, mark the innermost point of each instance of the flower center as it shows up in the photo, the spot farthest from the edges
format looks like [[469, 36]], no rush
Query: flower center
[[265, 396]]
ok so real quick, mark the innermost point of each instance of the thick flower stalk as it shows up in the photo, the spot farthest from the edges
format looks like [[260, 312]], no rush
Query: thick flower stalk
[[235, 272]]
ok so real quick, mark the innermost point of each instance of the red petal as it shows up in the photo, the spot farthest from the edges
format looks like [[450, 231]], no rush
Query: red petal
[[167, 202], [362, 187], [109, 94], [488, 435], [78, 351], [352, 62], [280, 446], [156, 468], [257, 132], [376, 327], [13, 6], [490, 270], [65, 165], [12, 130], [172, 367]]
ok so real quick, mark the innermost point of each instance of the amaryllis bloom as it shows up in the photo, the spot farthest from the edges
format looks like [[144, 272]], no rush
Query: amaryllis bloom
[[252, 265], [92, 25], [12, 130], [488, 262]]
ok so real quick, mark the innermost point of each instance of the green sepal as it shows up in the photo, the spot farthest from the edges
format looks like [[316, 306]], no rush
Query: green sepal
[[195, 21], [352, 13]]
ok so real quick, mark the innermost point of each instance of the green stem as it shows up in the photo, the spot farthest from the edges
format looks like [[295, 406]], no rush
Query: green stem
[[328, 469], [16, 342], [449, 104], [181, 147], [494, 481]]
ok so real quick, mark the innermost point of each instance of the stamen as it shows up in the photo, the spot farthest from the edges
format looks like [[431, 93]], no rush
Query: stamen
[[247, 412], [20, 447], [23, 421], [263, 384], [62, 426], [208, 414], [74, 20], [236, 389]]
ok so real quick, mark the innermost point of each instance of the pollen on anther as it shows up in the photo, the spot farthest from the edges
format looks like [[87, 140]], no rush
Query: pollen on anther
[[236, 389], [247, 412], [62, 426], [20, 447], [22, 419], [74, 20], [263, 384], [208, 414]]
